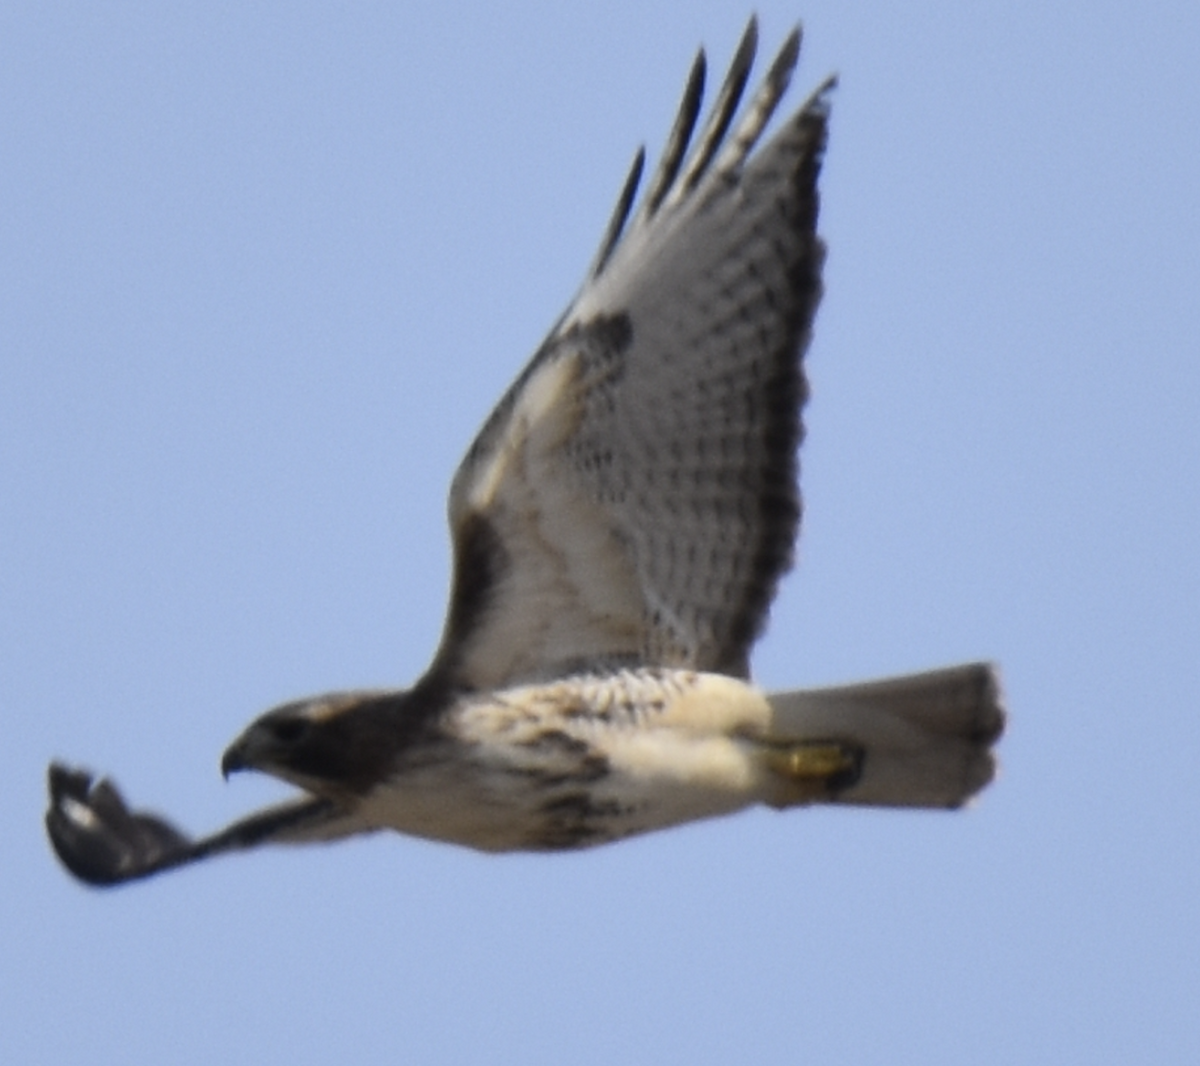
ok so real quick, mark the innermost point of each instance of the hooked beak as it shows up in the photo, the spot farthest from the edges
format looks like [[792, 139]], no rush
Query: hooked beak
[[234, 759]]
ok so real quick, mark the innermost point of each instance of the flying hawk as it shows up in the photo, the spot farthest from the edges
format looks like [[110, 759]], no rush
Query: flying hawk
[[620, 525]]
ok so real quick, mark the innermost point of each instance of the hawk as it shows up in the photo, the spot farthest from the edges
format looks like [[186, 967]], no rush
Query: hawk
[[620, 525]]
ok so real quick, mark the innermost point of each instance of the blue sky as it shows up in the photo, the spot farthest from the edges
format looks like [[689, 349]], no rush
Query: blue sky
[[263, 271]]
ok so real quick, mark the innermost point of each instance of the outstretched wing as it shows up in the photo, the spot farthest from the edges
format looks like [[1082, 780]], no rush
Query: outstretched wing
[[102, 842], [633, 497]]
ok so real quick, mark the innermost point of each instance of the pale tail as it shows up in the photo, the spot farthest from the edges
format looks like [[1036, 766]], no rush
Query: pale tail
[[926, 739]]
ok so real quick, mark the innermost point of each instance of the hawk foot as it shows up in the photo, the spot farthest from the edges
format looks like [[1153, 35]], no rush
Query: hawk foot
[[812, 771]]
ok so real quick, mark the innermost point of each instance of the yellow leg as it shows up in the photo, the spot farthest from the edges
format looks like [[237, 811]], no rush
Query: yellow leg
[[814, 770]]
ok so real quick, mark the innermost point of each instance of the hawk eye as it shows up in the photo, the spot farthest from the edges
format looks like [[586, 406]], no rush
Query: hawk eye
[[289, 730]]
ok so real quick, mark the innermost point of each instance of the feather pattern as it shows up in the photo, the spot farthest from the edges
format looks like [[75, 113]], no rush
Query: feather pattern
[[638, 481]]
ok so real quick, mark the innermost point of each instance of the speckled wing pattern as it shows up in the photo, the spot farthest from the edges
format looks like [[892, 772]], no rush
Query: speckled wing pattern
[[632, 499]]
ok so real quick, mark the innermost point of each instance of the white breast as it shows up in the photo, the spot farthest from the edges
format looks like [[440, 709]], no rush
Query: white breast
[[581, 761]]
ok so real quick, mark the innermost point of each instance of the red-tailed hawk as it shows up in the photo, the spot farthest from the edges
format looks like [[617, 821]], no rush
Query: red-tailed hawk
[[620, 526]]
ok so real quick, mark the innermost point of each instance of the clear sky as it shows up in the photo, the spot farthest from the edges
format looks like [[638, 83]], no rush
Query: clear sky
[[263, 271]]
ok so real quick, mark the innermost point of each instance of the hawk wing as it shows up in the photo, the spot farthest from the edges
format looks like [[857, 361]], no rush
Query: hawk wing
[[633, 496]]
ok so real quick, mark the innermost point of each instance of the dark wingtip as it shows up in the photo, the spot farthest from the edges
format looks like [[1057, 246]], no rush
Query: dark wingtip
[[748, 45], [679, 171], [680, 135], [723, 108], [820, 96], [620, 215], [95, 835]]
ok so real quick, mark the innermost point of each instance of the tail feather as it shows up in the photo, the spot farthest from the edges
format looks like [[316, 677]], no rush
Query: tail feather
[[925, 739]]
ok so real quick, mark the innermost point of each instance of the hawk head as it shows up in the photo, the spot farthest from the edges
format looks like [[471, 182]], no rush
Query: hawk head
[[337, 745]]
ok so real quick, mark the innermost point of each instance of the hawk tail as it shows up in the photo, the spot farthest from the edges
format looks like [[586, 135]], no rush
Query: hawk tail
[[923, 740]]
